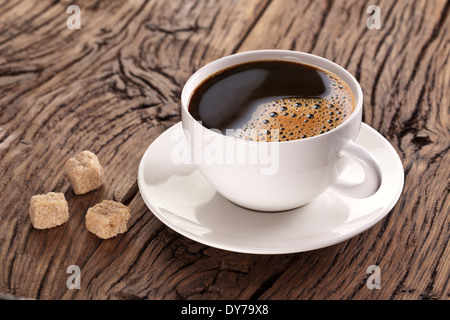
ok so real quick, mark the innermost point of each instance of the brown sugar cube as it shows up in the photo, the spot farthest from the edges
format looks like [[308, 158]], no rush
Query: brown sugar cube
[[48, 210], [84, 172], [107, 219]]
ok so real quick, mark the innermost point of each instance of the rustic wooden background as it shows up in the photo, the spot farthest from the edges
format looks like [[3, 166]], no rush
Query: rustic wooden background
[[114, 86]]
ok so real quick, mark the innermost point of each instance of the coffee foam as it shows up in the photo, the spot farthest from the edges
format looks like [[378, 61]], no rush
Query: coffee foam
[[300, 118]]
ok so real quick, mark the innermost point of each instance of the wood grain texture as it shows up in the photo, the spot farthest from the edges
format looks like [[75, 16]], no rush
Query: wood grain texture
[[114, 86]]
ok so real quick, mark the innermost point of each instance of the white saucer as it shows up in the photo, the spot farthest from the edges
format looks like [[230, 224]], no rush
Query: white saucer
[[183, 199]]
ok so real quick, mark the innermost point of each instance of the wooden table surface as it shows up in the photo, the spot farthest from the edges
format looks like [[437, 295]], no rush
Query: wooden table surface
[[114, 86]]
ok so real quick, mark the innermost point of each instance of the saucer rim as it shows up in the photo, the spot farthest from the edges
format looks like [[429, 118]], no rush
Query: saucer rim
[[260, 250]]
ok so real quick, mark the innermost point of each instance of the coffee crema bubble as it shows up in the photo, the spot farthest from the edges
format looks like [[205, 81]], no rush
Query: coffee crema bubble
[[272, 101], [300, 118]]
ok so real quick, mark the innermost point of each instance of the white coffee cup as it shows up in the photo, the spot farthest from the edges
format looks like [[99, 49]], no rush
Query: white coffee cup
[[297, 171]]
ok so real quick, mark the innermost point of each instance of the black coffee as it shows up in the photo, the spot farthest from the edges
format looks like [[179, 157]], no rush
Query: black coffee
[[272, 101]]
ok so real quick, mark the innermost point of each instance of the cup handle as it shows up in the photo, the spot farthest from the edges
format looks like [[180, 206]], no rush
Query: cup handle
[[372, 174]]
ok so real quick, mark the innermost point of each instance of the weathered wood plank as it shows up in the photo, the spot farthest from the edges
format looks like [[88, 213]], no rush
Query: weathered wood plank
[[114, 86]]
